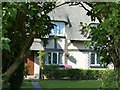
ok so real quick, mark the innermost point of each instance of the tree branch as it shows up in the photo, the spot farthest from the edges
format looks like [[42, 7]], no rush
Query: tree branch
[[20, 57], [84, 7], [62, 4], [89, 4], [22, 53]]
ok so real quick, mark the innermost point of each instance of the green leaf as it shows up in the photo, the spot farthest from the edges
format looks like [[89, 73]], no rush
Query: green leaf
[[5, 43]]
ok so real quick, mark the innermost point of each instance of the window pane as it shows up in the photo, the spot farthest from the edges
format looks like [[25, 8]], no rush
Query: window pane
[[92, 58], [46, 58], [51, 31], [58, 28], [60, 61], [55, 29], [98, 59], [49, 58], [61, 26], [54, 58]]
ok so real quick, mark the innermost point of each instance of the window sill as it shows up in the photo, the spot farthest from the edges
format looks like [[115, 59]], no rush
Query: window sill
[[55, 64], [57, 35], [97, 66], [52, 36], [60, 65]]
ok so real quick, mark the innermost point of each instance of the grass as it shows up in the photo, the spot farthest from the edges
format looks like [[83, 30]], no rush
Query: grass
[[27, 85], [70, 84]]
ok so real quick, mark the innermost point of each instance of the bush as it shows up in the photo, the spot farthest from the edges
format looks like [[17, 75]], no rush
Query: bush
[[88, 75], [91, 74], [16, 80], [74, 74], [51, 71], [109, 79], [54, 72], [5, 85]]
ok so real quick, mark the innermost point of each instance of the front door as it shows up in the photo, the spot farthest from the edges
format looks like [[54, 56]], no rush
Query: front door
[[30, 64]]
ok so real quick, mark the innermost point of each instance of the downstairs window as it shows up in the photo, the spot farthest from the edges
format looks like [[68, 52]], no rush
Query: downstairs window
[[54, 58]]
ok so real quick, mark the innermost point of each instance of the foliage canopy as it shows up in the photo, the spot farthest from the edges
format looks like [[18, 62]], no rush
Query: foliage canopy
[[21, 22]]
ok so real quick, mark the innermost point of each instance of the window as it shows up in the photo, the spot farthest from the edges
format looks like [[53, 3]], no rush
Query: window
[[54, 58], [94, 59], [59, 28], [94, 25]]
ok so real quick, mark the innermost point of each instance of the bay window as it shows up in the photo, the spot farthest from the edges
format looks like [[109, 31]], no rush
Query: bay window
[[59, 29]]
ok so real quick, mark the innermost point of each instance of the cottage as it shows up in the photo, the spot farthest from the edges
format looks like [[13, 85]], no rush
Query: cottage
[[66, 43]]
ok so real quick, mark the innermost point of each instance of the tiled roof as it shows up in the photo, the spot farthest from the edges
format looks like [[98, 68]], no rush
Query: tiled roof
[[37, 45], [73, 15]]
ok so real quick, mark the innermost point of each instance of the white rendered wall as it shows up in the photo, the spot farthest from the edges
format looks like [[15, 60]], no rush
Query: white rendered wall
[[36, 67], [61, 43], [78, 45], [50, 43], [78, 59]]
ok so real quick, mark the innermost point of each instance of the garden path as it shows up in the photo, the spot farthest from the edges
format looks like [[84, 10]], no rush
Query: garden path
[[36, 85]]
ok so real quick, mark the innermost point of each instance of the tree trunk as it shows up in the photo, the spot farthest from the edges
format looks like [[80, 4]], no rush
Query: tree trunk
[[20, 58]]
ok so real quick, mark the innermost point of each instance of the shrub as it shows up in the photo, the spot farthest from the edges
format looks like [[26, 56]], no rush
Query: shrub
[[82, 74], [54, 72], [5, 85], [74, 74], [51, 71], [109, 79], [64, 73], [26, 70], [88, 75]]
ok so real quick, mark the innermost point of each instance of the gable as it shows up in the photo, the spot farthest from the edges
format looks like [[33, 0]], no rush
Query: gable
[[73, 15]]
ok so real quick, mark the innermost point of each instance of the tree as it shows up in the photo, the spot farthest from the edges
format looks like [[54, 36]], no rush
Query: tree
[[41, 57], [21, 22], [105, 38]]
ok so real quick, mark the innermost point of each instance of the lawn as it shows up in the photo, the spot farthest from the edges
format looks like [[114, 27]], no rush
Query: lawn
[[27, 85], [93, 84]]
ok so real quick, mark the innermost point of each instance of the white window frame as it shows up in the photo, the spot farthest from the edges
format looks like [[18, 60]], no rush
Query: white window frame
[[95, 61], [47, 63], [57, 23]]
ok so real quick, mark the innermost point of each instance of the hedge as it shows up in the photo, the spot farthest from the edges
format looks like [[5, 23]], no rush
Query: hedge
[[55, 72]]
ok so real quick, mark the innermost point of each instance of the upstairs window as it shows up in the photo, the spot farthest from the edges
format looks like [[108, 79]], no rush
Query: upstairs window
[[59, 29]]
